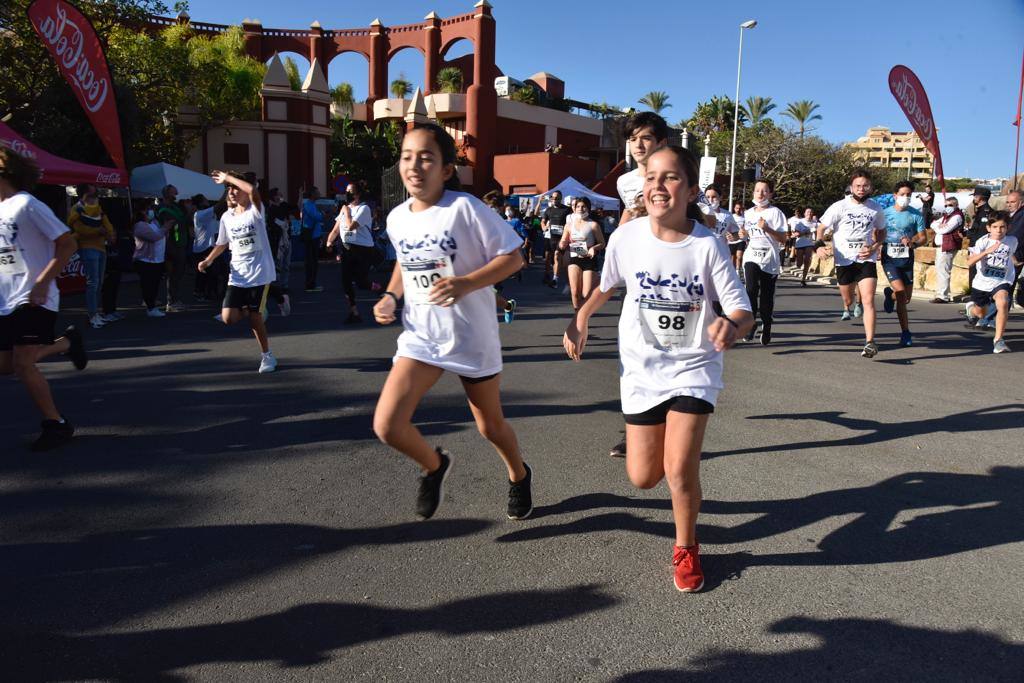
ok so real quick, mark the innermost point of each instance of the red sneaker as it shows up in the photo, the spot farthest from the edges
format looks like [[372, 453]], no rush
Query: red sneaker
[[689, 577]]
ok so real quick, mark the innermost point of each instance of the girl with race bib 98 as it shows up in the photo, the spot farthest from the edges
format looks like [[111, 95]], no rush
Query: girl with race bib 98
[[670, 339], [451, 249], [765, 226]]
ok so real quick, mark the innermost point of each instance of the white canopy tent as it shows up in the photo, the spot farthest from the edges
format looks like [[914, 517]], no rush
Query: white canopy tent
[[570, 187], [149, 181]]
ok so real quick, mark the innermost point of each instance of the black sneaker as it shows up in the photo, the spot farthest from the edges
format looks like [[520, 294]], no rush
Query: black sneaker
[[766, 334], [750, 335], [619, 450], [54, 434], [432, 486], [353, 319], [76, 348], [520, 500]]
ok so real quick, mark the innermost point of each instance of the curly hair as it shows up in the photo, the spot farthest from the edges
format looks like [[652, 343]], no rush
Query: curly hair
[[20, 171]]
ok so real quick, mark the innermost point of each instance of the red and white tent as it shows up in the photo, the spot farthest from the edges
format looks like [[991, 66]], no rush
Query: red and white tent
[[58, 171]]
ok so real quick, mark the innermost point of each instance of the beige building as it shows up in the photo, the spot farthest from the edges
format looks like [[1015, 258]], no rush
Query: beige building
[[881, 147]]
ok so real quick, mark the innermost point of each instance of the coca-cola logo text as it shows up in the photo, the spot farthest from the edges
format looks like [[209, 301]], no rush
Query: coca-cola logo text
[[111, 178], [18, 147], [66, 41], [906, 95]]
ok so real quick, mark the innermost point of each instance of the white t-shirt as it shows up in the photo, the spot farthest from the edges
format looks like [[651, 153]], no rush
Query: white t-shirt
[[997, 268], [456, 236], [28, 230], [740, 221], [252, 263], [663, 345], [763, 249], [805, 231], [725, 226], [853, 225], [629, 185], [362, 235], [206, 228]]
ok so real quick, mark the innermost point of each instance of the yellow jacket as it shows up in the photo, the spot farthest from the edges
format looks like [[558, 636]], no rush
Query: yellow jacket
[[91, 226]]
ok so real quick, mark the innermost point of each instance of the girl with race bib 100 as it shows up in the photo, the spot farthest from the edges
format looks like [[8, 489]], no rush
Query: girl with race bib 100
[[670, 339], [451, 249]]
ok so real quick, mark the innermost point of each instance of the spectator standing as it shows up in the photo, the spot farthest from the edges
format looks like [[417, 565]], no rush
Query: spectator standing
[[312, 226], [150, 254], [205, 225], [173, 219], [279, 232], [979, 222], [927, 202], [948, 240], [1014, 200], [93, 231]]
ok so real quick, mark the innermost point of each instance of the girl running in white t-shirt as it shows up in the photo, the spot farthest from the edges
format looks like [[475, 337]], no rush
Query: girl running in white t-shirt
[[670, 339], [583, 239], [451, 249]]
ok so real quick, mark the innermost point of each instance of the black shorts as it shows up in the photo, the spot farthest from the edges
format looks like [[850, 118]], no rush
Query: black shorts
[[26, 326], [253, 298], [659, 413], [736, 246], [979, 297], [587, 263], [553, 242], [855, 272], [477, 380]]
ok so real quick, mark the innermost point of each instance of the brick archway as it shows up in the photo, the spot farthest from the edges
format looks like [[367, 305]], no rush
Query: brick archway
[[378, 43]]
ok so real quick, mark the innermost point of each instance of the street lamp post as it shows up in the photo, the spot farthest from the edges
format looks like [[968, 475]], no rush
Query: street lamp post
[[736, 109]]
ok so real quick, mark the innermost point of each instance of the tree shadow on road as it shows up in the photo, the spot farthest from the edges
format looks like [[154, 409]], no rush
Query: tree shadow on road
[[104, 578], [302, 636], [857, 650], [994, 418]]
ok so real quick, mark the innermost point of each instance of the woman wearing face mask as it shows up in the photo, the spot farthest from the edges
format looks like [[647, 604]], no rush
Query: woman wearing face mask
[[765, 227], [583, 239], [150, 248], [93, 231]]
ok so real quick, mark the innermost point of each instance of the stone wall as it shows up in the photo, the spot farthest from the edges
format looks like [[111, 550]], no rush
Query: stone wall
[[924, 271]]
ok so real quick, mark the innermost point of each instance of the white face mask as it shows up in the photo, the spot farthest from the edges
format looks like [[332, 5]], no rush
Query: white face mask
[[903, 201], [582, 213], [761, 203], [714, 204], [509, 214], [948, 210]]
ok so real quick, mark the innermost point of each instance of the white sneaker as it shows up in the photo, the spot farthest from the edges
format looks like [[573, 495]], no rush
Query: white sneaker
[[1000, 346], [112, 317], [285, 306], [155, 313], [96, 321], [268, 363]]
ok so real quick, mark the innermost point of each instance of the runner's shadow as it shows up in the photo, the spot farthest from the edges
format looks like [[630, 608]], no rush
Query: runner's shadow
[[1007, 416], [593, 501], [301, 636], [856, 649], [102, 579]]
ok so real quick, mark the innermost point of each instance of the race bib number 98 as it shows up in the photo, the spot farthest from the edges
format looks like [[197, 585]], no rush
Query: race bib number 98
[[10, 261], [419, 276], [671, 324]]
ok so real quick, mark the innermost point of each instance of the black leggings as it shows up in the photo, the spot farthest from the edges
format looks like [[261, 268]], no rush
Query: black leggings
[[111, 283], [760, 290], [355, 270], [150, 275], [311, 247]]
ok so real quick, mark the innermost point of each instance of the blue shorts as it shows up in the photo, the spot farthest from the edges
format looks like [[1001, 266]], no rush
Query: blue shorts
[[898, 269]]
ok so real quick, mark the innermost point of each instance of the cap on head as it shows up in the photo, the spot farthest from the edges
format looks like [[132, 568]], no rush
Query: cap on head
[[980, 191]]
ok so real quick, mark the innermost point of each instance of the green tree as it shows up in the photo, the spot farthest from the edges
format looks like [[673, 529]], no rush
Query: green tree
[[802, 112], [757, 109], [292, 69], [449, 80], [343, 97], [715, 115], [400, 87], [525, 95], [657, 100], [362, 152]]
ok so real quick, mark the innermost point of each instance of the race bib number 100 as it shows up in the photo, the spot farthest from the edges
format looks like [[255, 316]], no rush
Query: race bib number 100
[[671, 324], [11, 263], [419, 276]]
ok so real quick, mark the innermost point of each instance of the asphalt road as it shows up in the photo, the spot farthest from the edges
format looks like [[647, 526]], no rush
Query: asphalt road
[[862, 518]]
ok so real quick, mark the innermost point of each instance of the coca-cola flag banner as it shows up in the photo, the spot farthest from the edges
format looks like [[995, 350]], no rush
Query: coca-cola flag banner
[[73, 44], [907, 89]]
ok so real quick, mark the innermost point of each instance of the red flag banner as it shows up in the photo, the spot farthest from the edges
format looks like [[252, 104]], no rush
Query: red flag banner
[[909, 93], [73, 44]]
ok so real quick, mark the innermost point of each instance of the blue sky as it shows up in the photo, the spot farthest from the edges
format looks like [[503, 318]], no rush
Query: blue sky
[[967, 55]]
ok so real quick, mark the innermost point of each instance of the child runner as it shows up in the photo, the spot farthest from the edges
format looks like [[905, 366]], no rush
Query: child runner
[[34, 248], [765, 227], [736, 243], [451, 249], [670, 340], [804, 229], [904, 229], [994, 256], [858, 233], [725, 224], [583, 239], [244, 228]]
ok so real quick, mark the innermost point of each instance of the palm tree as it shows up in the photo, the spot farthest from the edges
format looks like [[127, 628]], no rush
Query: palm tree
[[657, 100], [757, 109], [400, 87], [449, 79], [343, 98], [803, 113]]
